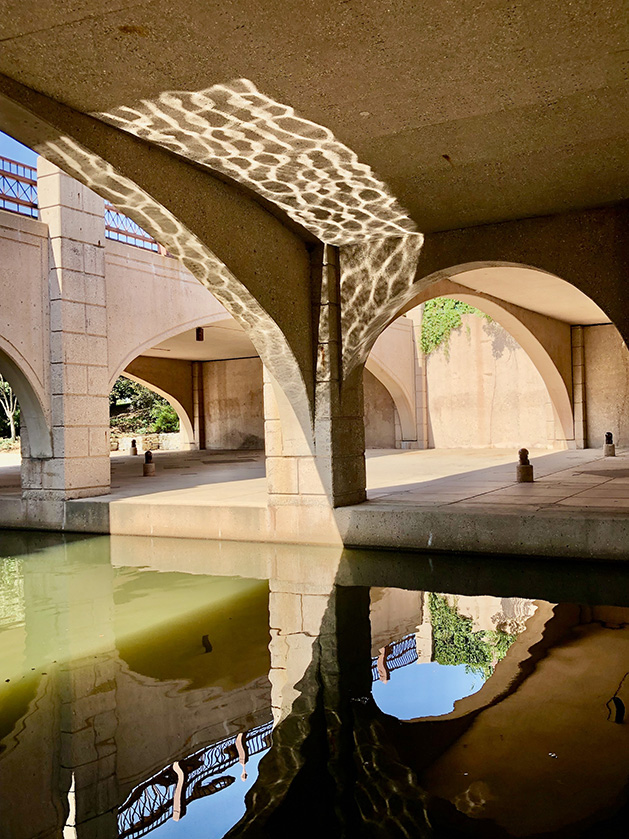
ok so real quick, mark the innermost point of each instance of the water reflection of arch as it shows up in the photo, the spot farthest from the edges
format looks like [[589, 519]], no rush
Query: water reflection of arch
[[31, 397]]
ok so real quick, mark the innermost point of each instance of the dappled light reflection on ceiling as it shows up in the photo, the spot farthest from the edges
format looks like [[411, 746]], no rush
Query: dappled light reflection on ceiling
[[297, 164]]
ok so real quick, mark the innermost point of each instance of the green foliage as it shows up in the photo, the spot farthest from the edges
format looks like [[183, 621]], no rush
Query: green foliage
[[9, 409], [454, 642], [167, 420], [439, 318], [134, 409]]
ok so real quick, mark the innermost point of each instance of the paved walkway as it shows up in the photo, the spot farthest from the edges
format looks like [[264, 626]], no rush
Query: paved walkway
[[434, 478]]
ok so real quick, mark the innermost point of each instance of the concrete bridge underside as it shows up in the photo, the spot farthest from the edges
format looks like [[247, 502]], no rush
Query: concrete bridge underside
[[266, 194], [69, 332]]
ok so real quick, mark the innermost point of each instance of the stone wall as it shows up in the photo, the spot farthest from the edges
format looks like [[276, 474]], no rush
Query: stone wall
[[380, 414], [234, 412], [484, 391], [606, 385]]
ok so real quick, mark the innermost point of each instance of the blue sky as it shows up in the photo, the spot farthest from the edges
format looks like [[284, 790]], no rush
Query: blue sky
[[428, 689], [212, 817], [16, 151]]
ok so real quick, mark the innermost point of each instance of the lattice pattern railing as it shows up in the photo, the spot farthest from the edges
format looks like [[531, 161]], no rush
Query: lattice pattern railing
[[151, 803], [18, 188], [122, 229], [397, 654], [18, 194]]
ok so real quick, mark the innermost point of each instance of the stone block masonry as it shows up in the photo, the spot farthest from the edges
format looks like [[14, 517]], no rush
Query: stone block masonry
[[79, 466]]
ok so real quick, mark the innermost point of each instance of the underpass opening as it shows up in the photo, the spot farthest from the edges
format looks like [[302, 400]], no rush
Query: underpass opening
[[22, 453], [527, 361]]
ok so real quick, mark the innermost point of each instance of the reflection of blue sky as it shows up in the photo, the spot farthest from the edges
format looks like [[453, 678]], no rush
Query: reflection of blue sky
[[16, 151], [428, 689], [212, 817]]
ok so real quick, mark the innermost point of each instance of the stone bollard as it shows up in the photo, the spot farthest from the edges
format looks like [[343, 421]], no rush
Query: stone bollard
[[524, 471], [609, 449], [149, 466], [133, 449]]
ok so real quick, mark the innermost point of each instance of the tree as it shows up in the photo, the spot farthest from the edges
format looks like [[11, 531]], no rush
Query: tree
[[8, 400], [134, 409]]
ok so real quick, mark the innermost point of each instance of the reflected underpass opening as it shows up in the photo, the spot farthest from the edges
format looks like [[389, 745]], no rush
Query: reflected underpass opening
[[177, 688], [455, 648]]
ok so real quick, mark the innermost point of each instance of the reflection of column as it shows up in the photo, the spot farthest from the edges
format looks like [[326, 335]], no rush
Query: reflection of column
[[179, 797], [320, 662], [295, 620], [87, 688], [423, 636], [243, 756], [381, 664], [80, 624], [68, 748]]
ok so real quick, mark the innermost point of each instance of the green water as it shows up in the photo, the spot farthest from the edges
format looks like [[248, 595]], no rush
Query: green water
[[195, 689]]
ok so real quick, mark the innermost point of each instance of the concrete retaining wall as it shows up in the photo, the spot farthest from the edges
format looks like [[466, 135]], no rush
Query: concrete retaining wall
[[606, 385], [379, 414], [234, 412], [484, 391]]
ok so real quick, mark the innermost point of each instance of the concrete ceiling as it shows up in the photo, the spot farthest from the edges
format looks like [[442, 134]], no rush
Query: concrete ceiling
[[525, 287], [225, 339], [470, 112], [534, 290]]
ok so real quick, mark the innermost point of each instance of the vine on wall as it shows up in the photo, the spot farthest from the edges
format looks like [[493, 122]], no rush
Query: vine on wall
[[439, 318]]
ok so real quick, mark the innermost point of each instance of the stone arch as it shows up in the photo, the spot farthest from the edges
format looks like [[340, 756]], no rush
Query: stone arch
[[524, 325], [37, 441], [120, 365], [557, 382], [405, 409], [243, 260], [185, 421]]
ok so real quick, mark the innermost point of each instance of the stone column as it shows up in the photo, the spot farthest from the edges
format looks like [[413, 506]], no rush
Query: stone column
[[79, 384], [325, 464], [578, 386], [198, 398]]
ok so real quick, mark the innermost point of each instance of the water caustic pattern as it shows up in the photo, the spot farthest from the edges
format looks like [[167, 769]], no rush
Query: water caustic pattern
[[297, 164], [163, 687], [156, 219]]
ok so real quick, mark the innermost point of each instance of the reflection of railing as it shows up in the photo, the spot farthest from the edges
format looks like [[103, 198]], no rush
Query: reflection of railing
[[169, 791], [18, 187], [393, 656]]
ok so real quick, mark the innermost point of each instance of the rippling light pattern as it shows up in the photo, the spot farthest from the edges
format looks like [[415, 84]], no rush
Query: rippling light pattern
[[293, 162]]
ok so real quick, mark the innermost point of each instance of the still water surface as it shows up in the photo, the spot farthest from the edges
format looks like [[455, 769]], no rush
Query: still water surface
[[176, 688]]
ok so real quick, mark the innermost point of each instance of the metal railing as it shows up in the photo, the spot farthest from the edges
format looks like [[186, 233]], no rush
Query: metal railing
[[397, 654], [121, 228], [153, 802], [18, 194], [18, 188]]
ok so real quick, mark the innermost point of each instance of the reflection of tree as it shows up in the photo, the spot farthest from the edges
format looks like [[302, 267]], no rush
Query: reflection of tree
[[454, 642]]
